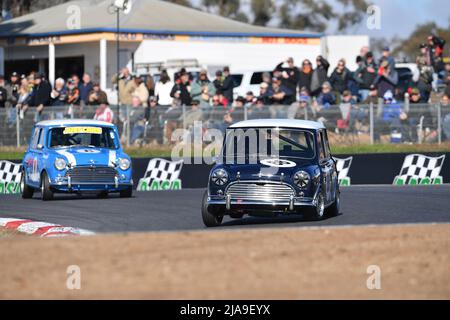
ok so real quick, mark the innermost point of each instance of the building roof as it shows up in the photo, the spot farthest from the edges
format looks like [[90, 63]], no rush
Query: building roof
[[279, 123], [146, 16], [62, 123]]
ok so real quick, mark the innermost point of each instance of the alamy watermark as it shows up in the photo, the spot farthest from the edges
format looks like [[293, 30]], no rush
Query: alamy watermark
[[374, 280], [73, 281]]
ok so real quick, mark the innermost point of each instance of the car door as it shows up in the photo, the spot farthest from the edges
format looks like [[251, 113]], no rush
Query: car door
[[29, 160], [36, 152], [326, 165]]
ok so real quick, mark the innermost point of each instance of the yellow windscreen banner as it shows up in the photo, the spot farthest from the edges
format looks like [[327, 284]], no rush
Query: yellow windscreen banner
[[88, 130]]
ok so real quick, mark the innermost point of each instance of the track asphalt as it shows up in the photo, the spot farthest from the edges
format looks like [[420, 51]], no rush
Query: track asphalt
[[180, 210]]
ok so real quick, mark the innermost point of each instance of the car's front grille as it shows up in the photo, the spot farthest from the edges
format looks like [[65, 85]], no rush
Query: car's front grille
[[80, 175], [260, 192]]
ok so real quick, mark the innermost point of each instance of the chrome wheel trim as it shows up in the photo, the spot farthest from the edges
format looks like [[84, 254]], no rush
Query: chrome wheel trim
[[22, 183], [320, 208], [338, 201]]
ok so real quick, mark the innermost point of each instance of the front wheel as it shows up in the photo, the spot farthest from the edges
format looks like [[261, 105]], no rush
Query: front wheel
[[335, 208], [318, 211], [127, 193], [27, 191], [46, 192], [210, 219]]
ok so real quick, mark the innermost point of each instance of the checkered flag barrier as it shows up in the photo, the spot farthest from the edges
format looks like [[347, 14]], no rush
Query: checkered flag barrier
[[160, 170], [343, 167], [420, 169], [10, 172]]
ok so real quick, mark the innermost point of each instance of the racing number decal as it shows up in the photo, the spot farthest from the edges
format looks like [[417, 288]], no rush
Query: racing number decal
[[34, 176]]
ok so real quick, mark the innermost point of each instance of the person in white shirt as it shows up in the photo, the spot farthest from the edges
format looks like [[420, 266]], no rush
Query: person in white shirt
[[163, 89], [104, 112]]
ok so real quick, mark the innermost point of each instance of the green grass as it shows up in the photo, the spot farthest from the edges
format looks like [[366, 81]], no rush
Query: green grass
[[8, 153]]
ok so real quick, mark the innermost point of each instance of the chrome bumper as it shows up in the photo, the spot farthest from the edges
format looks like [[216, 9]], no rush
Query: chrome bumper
[[228, 202]]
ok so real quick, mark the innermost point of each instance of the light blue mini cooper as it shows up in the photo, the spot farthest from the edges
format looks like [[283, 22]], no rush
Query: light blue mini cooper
[[75, 156]]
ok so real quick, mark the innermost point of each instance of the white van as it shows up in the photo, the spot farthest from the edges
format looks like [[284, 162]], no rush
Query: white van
[[246, 81]]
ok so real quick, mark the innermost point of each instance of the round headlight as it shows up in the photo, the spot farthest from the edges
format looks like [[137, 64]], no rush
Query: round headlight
[[124, 164], [302, 179], [60, 164], [219, 177]]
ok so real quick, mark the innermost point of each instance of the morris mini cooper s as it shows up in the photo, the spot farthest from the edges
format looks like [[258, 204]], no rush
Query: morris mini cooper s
[[272, 167], [75, 156]]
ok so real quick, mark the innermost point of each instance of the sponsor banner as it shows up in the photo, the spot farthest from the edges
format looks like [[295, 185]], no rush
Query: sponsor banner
[[343, 168], [368, 169], [161, 175], [9, 177], [420, 169]]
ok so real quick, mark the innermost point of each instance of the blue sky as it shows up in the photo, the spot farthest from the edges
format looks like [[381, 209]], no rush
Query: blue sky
[[398, 17]]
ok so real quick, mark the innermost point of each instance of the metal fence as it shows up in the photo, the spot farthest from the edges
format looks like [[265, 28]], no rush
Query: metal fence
[[347, 124]]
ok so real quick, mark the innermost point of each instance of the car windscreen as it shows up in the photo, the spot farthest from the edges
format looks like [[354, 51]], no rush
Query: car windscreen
[[68, 137], [269, 143]]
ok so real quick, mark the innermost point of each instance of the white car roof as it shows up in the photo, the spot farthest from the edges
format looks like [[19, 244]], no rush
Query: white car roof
[[279, 123], [80, 122]]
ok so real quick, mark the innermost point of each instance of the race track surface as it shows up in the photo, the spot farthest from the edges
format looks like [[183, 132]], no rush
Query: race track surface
[[180, 210]]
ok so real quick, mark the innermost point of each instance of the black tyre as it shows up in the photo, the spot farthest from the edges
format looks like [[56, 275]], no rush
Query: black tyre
[[127, 193], [317, 212], [27, 191], [211, 218], [335, 208], [102, 195], [46, 192], [236, 215]]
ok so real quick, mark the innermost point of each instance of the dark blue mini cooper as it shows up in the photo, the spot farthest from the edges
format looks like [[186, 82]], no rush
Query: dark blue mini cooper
[[271, 167]]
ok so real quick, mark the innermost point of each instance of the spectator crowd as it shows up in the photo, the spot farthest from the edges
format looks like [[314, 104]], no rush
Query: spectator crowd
[[337, 97]]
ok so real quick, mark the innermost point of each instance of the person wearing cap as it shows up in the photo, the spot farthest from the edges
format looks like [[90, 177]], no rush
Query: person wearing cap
[[40, 96], [12, 89], [386, 56], [238, 109], [152, 115], [104, 112], [365, 75], [228, 84], [194, 114], [387, 78], [94, 95], [320, 75], [181, 91], [289, 74], [259, 110], [250, 99], [281, 94], [326, 98], [218, 81], [202, 86], [372, 97]]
